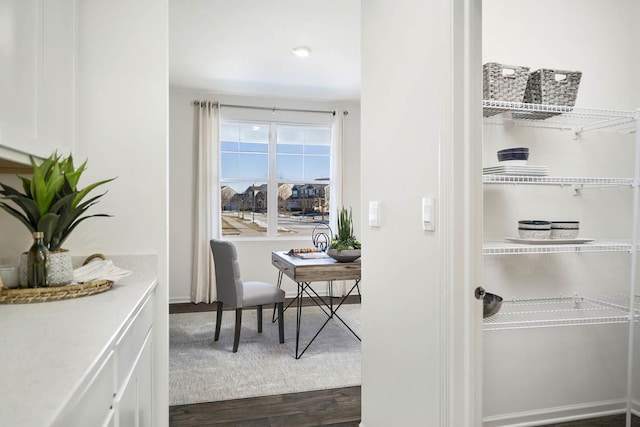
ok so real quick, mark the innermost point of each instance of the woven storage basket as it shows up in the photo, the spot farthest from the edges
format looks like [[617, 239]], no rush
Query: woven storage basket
[[553, 87], [503, 83], [55, 293]]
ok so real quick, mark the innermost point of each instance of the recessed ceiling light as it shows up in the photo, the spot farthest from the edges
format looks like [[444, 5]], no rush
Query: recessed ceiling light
[[301, 51]]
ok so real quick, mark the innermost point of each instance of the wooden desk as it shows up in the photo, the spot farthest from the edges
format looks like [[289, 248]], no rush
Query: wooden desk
[[305, 271]]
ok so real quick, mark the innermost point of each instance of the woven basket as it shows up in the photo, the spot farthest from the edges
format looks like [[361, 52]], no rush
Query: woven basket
[[55, 293], [503, 83], [553, 87]]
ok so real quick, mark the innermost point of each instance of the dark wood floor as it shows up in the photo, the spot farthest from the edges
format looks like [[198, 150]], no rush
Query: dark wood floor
[[335, 407]]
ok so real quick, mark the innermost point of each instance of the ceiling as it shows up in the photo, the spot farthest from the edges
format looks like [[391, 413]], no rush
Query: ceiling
[[244, 47]]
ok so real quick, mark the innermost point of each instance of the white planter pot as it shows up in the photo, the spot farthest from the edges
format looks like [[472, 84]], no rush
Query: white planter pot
[[60, 268]]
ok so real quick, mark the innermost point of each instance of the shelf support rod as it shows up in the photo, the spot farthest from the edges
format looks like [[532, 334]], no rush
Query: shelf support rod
[[634, 256]]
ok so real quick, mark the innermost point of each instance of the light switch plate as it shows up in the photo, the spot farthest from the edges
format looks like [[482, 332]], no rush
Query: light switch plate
[[428, 213], [374, 214]]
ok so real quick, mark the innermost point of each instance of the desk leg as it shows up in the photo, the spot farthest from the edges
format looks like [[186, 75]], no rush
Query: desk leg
[[331, 297], [299, 317], [279, 284]]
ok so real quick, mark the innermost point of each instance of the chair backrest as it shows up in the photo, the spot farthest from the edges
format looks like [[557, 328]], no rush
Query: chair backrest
[[228, 283]]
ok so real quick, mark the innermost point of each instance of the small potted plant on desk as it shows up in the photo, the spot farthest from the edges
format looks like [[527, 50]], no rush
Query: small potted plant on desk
[[52, 203], [344, 247]]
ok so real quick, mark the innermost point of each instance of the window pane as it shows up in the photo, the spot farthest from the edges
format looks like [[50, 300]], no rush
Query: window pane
[[254, 147], [253, 166], [254, 132], [244, 209], [302, 207], [290, 148], [316, 149], [230, 132], [228, 146], [289, 166], [311, 141], [316, 167], [228, 165]]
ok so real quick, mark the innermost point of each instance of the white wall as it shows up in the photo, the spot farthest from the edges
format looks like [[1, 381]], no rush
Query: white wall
[[591, 36], [122, 118], [255, 256], [401, 345]]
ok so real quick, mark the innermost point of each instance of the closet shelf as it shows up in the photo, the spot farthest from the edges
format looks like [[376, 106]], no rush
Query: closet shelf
[[557, 180], [560, 311], [558, 117], [508, 248]]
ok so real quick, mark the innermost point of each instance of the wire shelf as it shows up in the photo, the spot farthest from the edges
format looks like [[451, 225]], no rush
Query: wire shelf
[[557, 180], [560, 311], [508, 248], [558, 117]]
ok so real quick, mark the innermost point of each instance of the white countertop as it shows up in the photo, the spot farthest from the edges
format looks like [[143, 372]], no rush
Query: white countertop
[[47, 349]]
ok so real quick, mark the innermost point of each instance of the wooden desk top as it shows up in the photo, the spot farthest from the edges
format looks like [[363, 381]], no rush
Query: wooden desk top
[[315, 270]]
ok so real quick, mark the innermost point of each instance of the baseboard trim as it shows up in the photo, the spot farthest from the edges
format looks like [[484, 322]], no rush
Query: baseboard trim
[[179, 300], [635, 407], [558, 414]]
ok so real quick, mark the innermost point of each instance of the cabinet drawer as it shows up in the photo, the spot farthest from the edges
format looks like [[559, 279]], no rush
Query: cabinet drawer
[[129, 345], [94, 402]]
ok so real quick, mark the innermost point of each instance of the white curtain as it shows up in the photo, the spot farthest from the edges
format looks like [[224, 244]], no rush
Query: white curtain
[[203, 287], [335, 195]]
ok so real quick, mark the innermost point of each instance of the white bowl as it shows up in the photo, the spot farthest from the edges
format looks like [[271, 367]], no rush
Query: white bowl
[[513, 162], [534, 234], [567, 225], [535, 224], [564, 233], [9, 276]]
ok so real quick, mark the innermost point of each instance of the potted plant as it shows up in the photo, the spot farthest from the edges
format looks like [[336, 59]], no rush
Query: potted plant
[[344, 247], [52, 203]]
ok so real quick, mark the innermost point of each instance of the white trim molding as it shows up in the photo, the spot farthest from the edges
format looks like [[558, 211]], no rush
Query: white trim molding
[[459, 207], [560, 414]]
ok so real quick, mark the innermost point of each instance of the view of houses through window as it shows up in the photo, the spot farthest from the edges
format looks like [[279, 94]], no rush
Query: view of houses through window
[[274, 178]]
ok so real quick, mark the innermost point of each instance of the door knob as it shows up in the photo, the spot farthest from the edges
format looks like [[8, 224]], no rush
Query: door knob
[[479, 292]]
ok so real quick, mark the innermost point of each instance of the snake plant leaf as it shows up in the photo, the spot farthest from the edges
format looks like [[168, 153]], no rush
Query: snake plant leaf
[[75, 224], [82, 193], [47, 225], [26, 185], [73, 176], [29, 207], [19, 215]]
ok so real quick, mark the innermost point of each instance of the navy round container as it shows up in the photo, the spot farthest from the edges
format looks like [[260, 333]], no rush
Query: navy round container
[[521, 153]]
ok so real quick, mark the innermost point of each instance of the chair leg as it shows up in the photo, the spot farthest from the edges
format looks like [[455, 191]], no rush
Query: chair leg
[[218, 320], [259, 312], [236, 336], [281, 321]]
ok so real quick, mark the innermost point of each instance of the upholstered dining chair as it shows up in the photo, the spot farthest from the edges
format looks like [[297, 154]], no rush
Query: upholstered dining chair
[[238, 294]]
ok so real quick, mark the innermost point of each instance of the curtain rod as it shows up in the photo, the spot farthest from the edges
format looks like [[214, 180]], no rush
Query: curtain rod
[[272, 109]]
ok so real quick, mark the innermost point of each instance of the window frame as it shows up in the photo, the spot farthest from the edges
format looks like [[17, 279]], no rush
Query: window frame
[[272, 181]]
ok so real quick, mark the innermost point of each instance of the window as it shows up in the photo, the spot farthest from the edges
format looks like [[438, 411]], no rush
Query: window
[[274, 178]]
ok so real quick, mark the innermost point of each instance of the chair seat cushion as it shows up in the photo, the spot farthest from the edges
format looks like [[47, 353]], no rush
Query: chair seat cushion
[[261, 293]]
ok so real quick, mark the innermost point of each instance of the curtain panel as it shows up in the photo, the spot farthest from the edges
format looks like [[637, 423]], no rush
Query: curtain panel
[[203, 286]]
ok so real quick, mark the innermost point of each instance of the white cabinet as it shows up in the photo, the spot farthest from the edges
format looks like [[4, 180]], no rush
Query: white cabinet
[[133, 401], [135, 368], [120, 393], [37, 64]]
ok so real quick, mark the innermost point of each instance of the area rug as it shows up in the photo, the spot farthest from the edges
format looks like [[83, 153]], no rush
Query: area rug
[[201, 370]]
